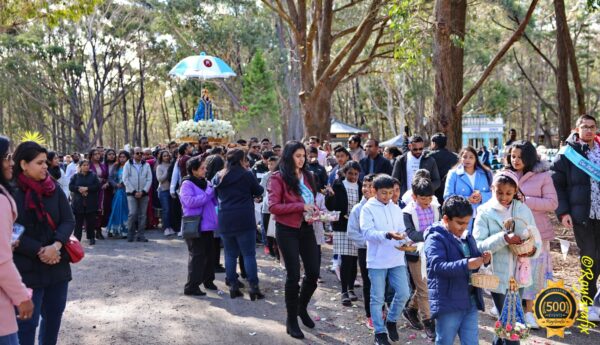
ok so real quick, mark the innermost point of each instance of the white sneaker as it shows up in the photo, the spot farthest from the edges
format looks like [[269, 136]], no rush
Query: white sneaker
[[530, 321], [180, 234], [594, 314], [494, 311], [169, 232]]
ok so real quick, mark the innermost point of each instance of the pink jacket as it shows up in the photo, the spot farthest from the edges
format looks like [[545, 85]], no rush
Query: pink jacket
[[12, 289], [540, 197]]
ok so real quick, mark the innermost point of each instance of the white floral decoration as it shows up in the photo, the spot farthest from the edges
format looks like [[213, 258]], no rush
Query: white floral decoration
[[209, 128]]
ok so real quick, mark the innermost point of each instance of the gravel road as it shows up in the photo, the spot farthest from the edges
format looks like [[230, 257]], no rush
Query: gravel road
[[132, 293]]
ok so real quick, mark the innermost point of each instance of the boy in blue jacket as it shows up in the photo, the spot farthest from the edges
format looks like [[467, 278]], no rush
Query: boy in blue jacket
[[452, 256]]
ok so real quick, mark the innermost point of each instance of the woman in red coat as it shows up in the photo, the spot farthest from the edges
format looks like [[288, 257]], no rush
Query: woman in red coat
[[292, 192]]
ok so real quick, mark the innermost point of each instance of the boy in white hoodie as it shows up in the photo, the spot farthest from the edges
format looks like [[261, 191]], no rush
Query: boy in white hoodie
[[383, 226]]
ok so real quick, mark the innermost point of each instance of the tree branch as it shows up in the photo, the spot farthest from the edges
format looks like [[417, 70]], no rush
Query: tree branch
[[281, 13], [535, 90], [533, 45], [490, 67], [348, 5]]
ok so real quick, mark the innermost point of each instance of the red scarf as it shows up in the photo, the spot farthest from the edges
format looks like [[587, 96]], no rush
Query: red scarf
[[34, 192]]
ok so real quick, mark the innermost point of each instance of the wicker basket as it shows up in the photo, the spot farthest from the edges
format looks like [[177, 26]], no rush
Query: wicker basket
[[523, 248], [486, 280]]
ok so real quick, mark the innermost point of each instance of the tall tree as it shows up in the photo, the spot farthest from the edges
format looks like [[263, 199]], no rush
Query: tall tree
[[327, 56]]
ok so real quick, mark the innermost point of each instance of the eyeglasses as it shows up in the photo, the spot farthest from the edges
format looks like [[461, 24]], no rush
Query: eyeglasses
[[587, 128], [137, 153], [7, 157], [417, 149]]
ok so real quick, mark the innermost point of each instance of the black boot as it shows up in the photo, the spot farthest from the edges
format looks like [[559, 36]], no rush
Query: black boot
[[381, 339], [234, 291], [255, 293], [392, 331], [429, 328], [99, 235], [306, 293], [292, 327], [412, 316]]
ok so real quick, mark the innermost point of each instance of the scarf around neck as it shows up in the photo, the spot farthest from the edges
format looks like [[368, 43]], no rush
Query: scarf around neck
[[35, 191], [199, 182]]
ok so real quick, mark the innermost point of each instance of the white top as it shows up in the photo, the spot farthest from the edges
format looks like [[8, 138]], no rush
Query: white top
[[175, 179], [412, 165], [71, 170], [376, 220], [594, 157], [471, 178]]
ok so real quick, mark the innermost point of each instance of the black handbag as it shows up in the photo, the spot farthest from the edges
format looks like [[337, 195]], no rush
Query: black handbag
[[190, 226]]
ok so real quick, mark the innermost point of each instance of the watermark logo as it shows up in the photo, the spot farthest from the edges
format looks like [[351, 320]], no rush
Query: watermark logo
[[582, 288], [555, 308]]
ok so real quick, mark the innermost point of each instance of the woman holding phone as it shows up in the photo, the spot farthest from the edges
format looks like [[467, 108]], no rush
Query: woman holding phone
[[12, 290]]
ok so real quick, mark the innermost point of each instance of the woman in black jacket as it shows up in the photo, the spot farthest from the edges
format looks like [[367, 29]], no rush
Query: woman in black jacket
[[40, 257], [342, 196], [84, 188], [236, 189]]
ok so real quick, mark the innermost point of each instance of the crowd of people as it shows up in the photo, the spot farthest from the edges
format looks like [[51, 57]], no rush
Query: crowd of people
[[416, 223]]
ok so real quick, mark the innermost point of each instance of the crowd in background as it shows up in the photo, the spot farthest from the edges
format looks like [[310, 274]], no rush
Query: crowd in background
[[451, 206]]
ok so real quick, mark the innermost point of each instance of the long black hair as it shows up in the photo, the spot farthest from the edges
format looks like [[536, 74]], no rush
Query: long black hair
[[53, 171], [529, 155], [287, 167], [4, 146], [106, 161], [486, 170], [235, 159]]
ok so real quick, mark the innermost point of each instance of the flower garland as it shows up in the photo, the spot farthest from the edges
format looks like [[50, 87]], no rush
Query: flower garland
[[210, 128]]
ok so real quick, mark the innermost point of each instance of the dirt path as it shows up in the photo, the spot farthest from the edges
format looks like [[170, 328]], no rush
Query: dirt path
[[131, 293]]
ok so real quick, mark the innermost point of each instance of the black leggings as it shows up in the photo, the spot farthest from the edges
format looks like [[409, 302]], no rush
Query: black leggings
[[90, 224], [588, 241], [200, 260], [295, 244], [364, 273], [348, 272]]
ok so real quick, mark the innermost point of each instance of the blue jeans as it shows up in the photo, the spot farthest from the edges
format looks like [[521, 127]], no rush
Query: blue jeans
[[398, 279], [165, 203], [9, 339], [464, 323], [244, 243], [49, 304]]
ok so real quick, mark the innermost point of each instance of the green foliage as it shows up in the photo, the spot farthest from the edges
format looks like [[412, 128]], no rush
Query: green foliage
[[258, 97], [410, 35], [14, 14]]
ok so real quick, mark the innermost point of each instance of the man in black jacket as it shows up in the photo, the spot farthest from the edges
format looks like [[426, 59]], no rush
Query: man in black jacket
[[316, 168], [444, 159], [579, 196], [413, 160], [374, 162]]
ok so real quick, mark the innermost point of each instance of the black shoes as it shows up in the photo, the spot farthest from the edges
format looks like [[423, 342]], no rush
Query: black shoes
[[239, 283], [255, 293], [235, 292], [211, 286], [381, 339], [411, 315], [392, 331], [352, 296], [142, 240], [194, 293], [429, 328], [306, 319], [293, 329], [99, 235], [220, 269], [346, 301], [92, 241]]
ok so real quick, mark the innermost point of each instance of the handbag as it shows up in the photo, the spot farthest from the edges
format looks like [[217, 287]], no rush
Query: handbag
[[72, 246], [190, 226]]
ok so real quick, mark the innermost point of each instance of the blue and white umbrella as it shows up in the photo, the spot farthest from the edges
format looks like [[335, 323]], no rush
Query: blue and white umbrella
[[202, 67]]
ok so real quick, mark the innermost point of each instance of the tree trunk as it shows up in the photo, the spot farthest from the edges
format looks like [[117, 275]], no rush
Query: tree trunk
[[445, 73], [562, 17], [317, 114], [562, 72]]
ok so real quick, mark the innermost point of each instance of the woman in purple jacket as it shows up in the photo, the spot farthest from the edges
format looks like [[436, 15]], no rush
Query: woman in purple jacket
[[198, 198]]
